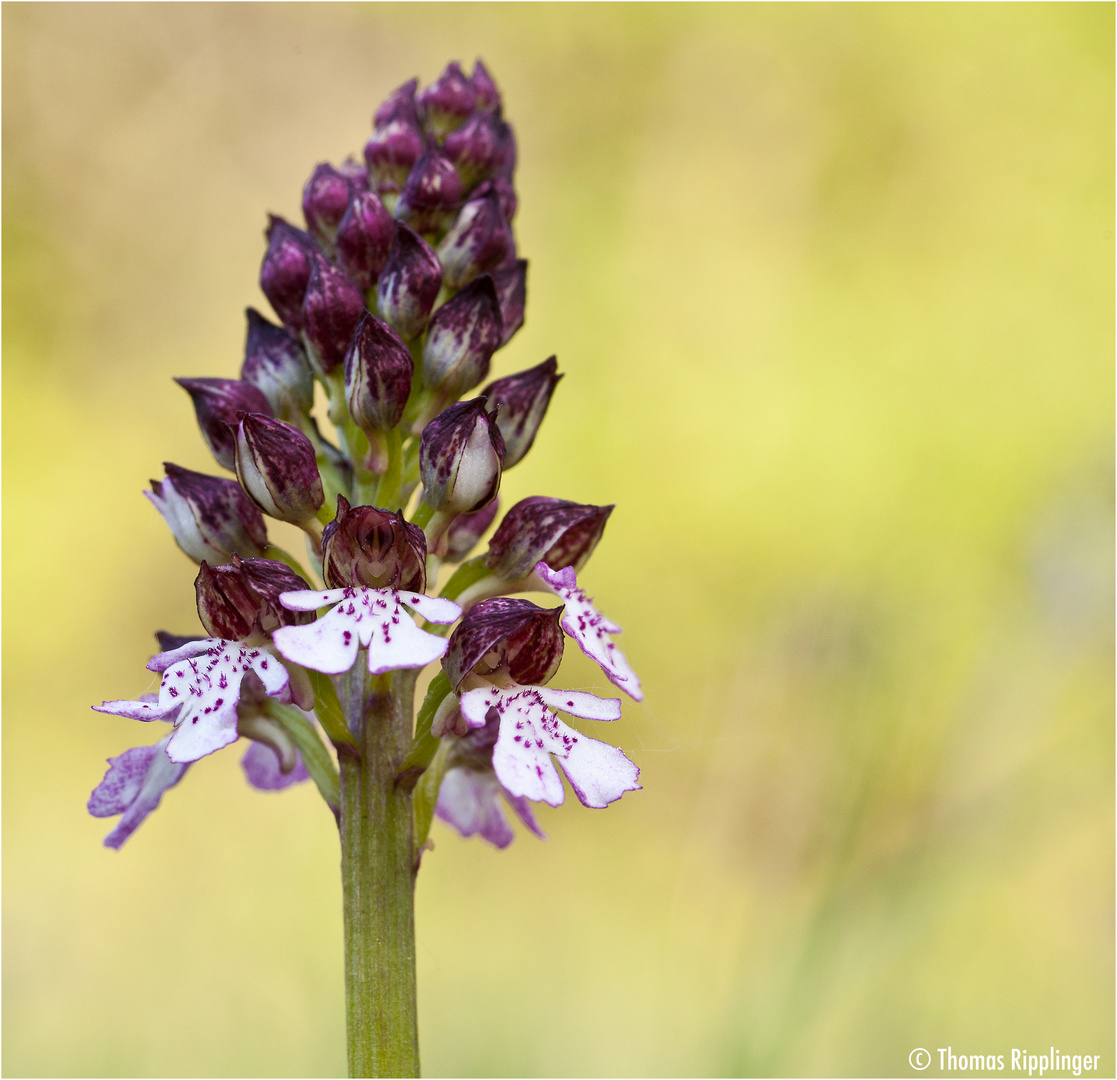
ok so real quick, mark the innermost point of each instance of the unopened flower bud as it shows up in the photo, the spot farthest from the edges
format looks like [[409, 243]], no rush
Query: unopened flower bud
[[504, 191], [364, 238], [355, 172], [506, 635], [461, 454], [239, 600], [210, 518], [463, 335], [432, 194], [474, 147], [521, 401], [447, 101], [331, 310], [479, 241], [466, 529], [325, 200], [541, 529], [504, 154], [274, 362], [364, 546], [286, 270], [486, 94], [399, 103], [511, 291], [216, 404], [391, 153], [378, 371], [276, 467], [408, 285]]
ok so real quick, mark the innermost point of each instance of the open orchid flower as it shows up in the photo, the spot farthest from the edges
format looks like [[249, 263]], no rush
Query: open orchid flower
[[199, 693], [133, 786], [530, 733], [469, 796], [373, 618], [588, 627]]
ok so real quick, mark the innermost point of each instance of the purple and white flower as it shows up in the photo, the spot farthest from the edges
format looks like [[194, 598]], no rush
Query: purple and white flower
[[372, 618], [199, 693], [470, 799], [588, 627], [531, 733]]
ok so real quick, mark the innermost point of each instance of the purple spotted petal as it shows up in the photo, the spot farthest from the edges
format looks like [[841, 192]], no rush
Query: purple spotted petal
[[374, 618], [132, 787], [589, 628], [261, 769], [530, 733]]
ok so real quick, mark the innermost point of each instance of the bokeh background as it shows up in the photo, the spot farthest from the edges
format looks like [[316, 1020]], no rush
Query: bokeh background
[[833, 289]]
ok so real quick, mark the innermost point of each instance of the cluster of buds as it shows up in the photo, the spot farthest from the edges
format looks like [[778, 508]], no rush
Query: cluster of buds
[[394, 298]]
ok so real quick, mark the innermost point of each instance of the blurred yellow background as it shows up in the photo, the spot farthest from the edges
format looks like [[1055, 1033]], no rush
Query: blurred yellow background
[[833, 288]]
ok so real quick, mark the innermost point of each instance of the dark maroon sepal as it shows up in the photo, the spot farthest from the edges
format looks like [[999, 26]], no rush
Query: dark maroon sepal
[[486, 94], [479, 241], [521, 401], [408, 285], [463, 335], [286, 270], [511, 291], [331, 310], [240, 599], [364, 238], [391, 153], [447, 101], [541, 529], [378, 370], [474, 147], [275, 363], [216, 404], [364, 546], [399, 104], [432, 194], [506, 635], [325, 199], [276, 466], [461, 455]]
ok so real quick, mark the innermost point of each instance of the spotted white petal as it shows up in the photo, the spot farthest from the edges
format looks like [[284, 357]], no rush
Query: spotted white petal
[[374, 618], [310, 600], [588, 627], [530, 734]]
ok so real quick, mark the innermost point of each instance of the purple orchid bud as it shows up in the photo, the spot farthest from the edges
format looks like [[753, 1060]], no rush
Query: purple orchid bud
[[511, 291], [504, 191], [275, 363], [480, 240], [409, 284], [521, 401], [276, 466], [462, 337], [216, 404], [506, 635], [364, 238], [355, 172], [432, 194], [541, 529], [400, 103], [210, 518], [391, 153], [366, 547], [325, 200], [240, 599], [474, 147], [169, 642], [378, 372], [486, 94], [331, 310], [447, 101], [133, 788], [504, 154], [461, 454], [263, 768], [286, 270], [466, 529]]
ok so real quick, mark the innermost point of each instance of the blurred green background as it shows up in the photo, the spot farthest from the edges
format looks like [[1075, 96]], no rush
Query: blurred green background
[[833, 288]]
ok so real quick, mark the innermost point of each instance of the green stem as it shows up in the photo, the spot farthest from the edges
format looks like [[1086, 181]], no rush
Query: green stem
[[315, 756], [378, 877], [388, 493]]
